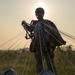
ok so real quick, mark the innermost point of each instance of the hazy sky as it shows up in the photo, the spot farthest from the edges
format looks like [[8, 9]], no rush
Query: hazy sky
[[12, 12]]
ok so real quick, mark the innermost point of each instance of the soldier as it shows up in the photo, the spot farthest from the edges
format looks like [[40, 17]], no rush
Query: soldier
[[49, 40]]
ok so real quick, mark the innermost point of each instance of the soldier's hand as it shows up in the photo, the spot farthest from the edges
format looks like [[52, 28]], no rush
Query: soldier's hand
[[32, 22]]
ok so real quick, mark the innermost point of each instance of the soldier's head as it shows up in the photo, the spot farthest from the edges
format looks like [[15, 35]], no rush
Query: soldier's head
[[39, 12]]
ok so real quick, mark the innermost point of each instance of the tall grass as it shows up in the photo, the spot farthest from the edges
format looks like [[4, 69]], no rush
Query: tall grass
[[24, 63]]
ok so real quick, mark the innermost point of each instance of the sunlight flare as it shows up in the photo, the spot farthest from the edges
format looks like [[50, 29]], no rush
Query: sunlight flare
[[41, 4]]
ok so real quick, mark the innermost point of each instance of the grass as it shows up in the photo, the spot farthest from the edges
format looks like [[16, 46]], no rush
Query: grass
[[24, 62]]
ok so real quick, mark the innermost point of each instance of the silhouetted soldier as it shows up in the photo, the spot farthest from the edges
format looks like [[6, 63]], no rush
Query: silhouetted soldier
[[50, 38]]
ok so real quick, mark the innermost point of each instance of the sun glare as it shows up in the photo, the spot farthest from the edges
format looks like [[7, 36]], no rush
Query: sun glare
[[41, 4]]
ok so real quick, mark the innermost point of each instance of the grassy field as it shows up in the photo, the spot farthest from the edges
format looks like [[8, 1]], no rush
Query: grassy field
[[23, 62]]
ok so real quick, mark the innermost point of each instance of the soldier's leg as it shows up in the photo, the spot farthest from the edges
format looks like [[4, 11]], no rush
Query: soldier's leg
[[39, 65], [49, 60], [49, 56]]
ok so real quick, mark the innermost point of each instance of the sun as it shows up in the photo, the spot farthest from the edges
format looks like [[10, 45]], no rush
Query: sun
[[41, 4]]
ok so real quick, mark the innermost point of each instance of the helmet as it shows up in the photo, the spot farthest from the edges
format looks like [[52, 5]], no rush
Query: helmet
[[39, 10]]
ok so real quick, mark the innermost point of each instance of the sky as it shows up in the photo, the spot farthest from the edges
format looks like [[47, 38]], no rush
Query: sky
[[12, 12]]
